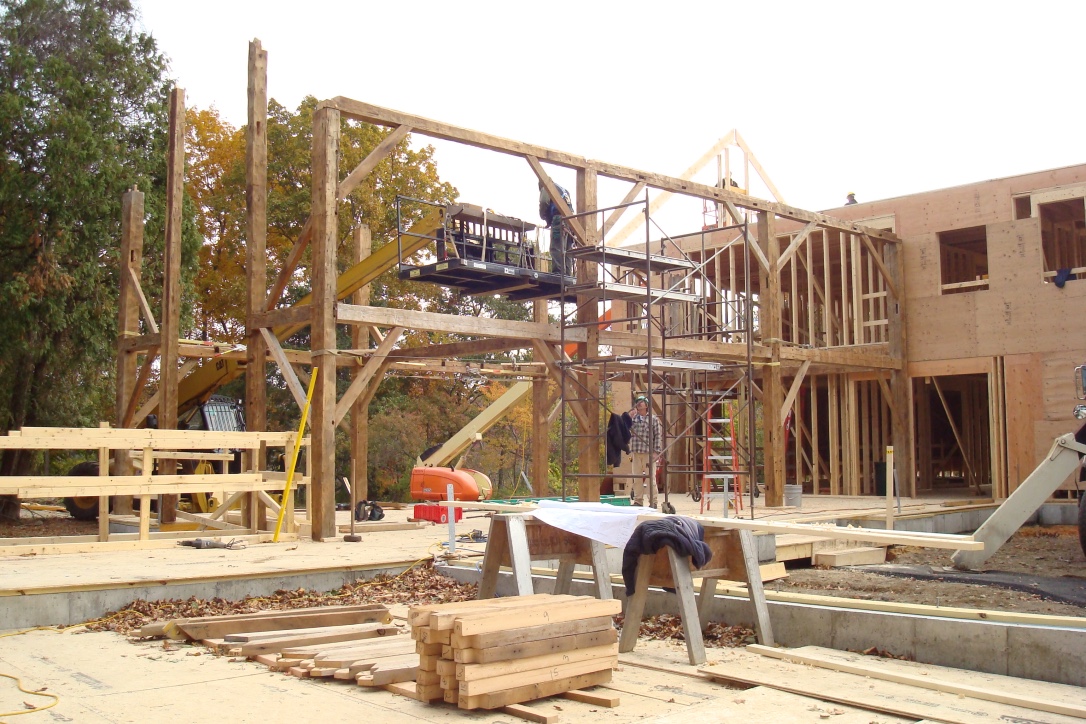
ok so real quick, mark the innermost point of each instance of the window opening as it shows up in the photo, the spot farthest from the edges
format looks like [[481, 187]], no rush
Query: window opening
[[963, 256], [1063, 240]]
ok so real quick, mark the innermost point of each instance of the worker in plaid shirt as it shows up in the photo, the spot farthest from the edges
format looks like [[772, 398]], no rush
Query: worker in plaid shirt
[[646, 436]]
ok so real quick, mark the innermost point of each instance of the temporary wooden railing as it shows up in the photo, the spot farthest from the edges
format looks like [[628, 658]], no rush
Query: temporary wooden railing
[[146, 446]]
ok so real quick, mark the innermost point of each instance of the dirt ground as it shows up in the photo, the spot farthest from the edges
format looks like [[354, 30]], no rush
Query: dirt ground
[[1051, 551]]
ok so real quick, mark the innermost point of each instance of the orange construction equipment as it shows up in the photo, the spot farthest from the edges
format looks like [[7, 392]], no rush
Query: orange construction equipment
[[605, 323], [432, 484]]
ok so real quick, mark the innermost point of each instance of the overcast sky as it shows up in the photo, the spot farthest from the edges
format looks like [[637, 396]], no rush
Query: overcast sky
[[879, 98]]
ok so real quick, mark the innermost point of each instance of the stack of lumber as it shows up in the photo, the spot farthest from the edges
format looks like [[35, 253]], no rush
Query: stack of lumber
[[501, 652]]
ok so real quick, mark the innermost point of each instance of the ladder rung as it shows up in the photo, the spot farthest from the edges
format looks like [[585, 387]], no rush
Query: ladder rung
[[720, 457], [719, 439], [719, 420]]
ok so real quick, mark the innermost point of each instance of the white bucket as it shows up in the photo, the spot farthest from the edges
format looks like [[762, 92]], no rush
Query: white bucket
[[793, 496]]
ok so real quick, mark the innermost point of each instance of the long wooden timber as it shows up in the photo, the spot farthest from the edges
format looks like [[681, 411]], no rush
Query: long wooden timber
[[434, 322], [368, 113], [926, 540]]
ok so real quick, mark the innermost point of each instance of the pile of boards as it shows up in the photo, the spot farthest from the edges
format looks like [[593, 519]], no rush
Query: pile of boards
[[501, 652], [358, 643]]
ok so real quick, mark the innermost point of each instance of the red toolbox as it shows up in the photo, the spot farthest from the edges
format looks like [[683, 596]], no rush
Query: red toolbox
[[437, 513]]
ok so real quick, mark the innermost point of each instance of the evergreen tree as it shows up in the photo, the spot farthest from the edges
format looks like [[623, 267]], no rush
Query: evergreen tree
[[83, 98]]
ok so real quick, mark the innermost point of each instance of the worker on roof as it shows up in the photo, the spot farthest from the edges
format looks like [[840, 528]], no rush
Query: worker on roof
[[561, 239], [851, 199], [646, 442]]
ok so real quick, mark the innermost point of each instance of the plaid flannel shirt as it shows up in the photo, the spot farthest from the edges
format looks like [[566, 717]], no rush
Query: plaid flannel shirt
[[639, 434]]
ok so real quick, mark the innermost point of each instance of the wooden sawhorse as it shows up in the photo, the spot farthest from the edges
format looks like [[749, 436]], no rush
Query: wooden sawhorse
[[518, 539], [734, 558]]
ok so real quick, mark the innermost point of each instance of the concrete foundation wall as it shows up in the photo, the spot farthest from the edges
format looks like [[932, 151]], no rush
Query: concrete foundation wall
[[72, 607], [1034, 652]]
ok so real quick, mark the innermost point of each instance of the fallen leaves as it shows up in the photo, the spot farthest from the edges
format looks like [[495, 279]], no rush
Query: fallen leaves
[[670, 627], [419, 585]]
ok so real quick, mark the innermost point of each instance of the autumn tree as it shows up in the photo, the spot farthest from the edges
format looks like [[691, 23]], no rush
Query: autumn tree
[[82, 119]]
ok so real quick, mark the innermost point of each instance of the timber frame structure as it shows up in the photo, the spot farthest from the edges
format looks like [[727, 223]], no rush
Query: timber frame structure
[[781, 363]]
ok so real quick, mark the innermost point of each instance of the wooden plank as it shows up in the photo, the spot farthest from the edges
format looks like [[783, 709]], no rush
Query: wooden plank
[[754, 585], [420, 615], [475, 672], [488, 623], [272, 628], [515, 636], [530, 692], [535, 648], [852, 690], [850, 557], [1037, 695], [349, 633], [371, 663], [434, 322], [385, 676], [528, 714], [536, 676], [609, 701], [446, 620]]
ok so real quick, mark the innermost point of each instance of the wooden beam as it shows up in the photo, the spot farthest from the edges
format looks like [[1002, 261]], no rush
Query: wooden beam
[[957, 434], [797, 241], [433, 322], [547, 357], [368, 113], [360, 415], [748, 240], [256, 242], [877, 258], [358, 384], [295, 256], [285, 368], [615, 215], [152, 402], [689, 173], [171, 286], [753, 161], [325, 165], [772, 382], [455, 350], [887, 396], [137, 291], [797, 382], [870, 356], [575, 225], [378, 154], [128, 310]]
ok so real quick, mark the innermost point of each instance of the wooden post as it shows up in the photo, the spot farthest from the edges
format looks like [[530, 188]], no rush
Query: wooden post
[[772, 382], [325, 165], [360, 416], [540, 426], [589, 487], [256, 258], [171, 289], [901, 429], [128, 325], [890, 487]]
